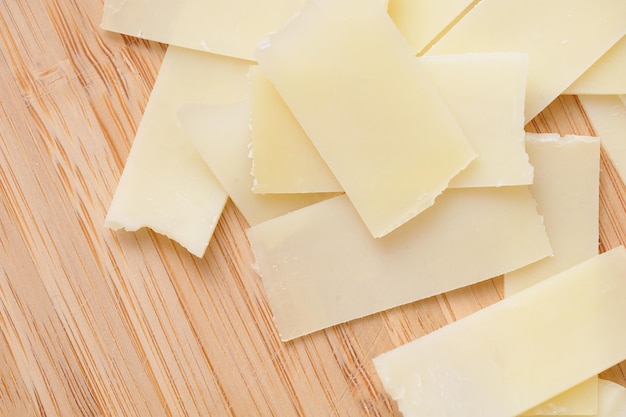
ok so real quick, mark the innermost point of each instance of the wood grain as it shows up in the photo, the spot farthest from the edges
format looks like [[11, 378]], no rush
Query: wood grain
[[97, 323]]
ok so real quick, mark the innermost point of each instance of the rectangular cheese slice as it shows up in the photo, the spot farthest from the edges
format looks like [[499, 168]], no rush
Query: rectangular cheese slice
[[485, 92], [284, 159], [563, 38], [566, 187], [421, 21], [321, 267], [221, 135], [232, 27], [607, 115], [518, 352], [606, 75], [368, 107], [165, 184]]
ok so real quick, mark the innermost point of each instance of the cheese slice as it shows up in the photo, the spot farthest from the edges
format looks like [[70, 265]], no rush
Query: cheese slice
[[421, 21], [232, 27], [566, 188], [518, 352], [284, 158], [607, 115], [611, 399], [563, 38], [370, 110], [321, 267], [606, 76], [221, 136], [485, 92], [165, 184]]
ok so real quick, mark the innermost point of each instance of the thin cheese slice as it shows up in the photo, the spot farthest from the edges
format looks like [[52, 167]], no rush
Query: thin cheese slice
[[370, 110], [518, 352], [284, 159], [566, 188], [607, 115], [321, 267], [221, 135], [165, 184], [568, 200], [606, 76], [232, 27], [485, 92], [421, 21], [563, 38]]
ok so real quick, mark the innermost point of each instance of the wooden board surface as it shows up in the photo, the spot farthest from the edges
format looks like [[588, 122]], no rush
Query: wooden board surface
[[98, 323]]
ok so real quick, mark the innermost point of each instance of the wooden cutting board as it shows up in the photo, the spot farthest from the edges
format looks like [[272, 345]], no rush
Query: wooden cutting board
[[97, 323]]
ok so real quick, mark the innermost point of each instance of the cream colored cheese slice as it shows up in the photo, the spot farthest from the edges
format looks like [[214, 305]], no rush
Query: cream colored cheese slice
[[611, 399], [165, 184], [421, 21], [232, 27], [321, 267], [566, 188], [563, 38], [518, 352], [221, 135], [606, 76], [485, 92], [284, 159], [607, 115], [353, 83]]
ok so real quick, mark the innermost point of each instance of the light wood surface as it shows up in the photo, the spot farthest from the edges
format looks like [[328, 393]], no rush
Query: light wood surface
[[102, 323]]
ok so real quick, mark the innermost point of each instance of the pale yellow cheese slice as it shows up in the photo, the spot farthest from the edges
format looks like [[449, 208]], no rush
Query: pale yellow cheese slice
[[566, 188], [165, 184], [321, 267], [563, 38], [421, 21], [232, 27], [485, 92], [606, 76], [607, 115], [611, 399], [221, 136], [518, 352], [284, 159], [371, 111]]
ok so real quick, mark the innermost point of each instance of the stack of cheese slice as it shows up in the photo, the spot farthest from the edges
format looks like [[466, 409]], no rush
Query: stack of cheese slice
[[372, 178]]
